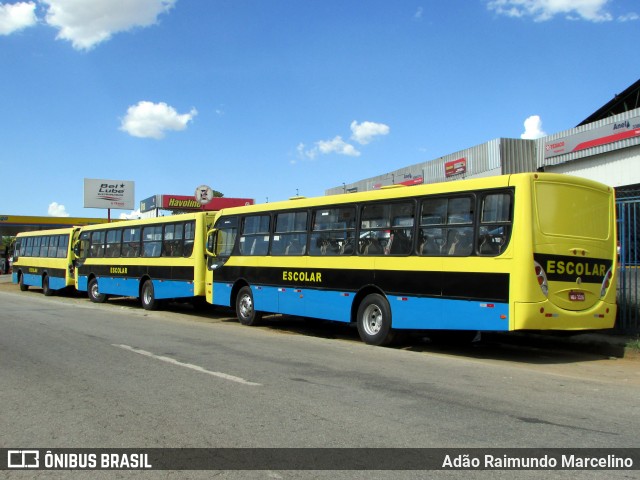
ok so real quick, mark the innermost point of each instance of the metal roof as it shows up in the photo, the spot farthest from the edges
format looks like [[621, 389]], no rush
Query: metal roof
[[621, 102]]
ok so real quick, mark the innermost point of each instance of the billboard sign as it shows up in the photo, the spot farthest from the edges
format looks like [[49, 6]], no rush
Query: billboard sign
[[99, 193], [612, 132], [148, 204], [455, 167]]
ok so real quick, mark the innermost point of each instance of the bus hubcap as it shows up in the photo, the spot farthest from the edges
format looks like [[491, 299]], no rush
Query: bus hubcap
[[245, 306], [372, 320]]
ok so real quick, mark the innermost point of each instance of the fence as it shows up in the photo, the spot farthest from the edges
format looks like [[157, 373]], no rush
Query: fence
[[628, 321]]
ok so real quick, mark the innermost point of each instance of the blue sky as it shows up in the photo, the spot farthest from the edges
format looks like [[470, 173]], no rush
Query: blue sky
[[267, 99]]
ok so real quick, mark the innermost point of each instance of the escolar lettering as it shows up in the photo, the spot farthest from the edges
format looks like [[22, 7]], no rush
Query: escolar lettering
[[561, 267], [288, 276]]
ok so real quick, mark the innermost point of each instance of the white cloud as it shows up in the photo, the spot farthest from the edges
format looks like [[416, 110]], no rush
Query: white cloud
[[337, 145], [130, 216], [533, 128], [325, 147], [57, 210], [629, 17], [364, 132], [418, 14], [86, 24], [152, 120], [541, 10], [16, 16]]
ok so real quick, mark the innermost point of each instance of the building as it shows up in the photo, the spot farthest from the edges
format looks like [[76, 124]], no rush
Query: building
[[603, 147]]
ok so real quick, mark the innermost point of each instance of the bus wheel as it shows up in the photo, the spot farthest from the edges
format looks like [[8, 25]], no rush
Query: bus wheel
[[23, 286], [94, 295], [245, 311], [374, 320], [147, 298], [45, 286]]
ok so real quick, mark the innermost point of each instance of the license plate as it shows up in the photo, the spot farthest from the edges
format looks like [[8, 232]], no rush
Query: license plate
[[576, 296]]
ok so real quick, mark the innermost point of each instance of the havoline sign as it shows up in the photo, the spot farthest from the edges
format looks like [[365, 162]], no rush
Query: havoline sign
[[99, 193]]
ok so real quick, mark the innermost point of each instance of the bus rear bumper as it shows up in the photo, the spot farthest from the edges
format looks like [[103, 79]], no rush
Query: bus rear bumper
[[546, 316]]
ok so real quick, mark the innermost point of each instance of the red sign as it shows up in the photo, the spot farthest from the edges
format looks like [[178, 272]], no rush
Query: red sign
[[188, 202], [455, 167], [413, 181]]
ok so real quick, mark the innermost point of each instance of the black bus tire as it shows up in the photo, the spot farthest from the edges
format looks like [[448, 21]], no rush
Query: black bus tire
[[94, 294], [245, 308], [374, 320], [23, 286], [147, 296], [45, 286]]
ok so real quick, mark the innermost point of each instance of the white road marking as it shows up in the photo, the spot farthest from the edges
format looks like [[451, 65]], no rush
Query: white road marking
[[197, 368]]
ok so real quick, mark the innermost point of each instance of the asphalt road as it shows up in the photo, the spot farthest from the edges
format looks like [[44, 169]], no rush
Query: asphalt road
[[76, 374]]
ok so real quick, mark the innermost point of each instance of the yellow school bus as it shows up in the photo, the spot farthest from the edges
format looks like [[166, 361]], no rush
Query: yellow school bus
[[531, 251], [153, 259], [44, 259]]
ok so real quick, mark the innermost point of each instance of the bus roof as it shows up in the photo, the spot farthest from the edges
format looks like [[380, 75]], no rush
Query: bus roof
[[497, 181]]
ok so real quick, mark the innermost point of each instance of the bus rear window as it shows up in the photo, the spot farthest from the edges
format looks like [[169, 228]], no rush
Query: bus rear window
[[572, 211]]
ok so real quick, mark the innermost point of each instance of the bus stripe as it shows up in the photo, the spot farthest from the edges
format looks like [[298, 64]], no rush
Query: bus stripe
[[459, 285]]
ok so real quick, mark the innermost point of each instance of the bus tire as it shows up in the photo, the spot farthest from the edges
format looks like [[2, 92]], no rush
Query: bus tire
[[23, 286], [374, 320], [45, 286], [147, 296], [94, 294], [245, 310]]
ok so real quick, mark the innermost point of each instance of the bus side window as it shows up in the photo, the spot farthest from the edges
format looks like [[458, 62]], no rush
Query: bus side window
[[151, 241], [189, 238], [172, 240], [495, 224], [44, 247], [53, 246], [96, 250], [333, 231], [131, 242], [382, 224], [446, 227], [290, 237], [36, 247], [255, 235], [63, 245], [114, 238]]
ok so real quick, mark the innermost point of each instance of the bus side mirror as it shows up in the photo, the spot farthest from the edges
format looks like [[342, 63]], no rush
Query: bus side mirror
[[212, 239], [76, 249]]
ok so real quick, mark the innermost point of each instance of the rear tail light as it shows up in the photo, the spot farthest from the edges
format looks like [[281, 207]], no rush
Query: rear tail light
[[541, 276], [606, 283]]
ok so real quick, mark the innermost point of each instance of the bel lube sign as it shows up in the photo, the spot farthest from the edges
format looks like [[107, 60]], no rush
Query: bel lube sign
[[99, 193]]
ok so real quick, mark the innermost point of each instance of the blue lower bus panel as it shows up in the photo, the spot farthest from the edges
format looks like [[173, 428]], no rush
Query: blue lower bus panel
[[130, 287], [408, 313], [448, 314]]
